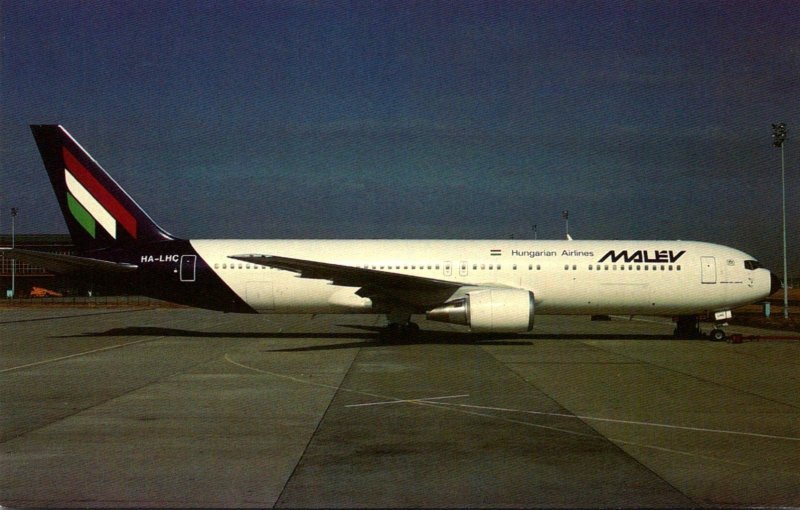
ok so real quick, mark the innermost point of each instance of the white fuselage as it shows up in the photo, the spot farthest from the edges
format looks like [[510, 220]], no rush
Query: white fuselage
[[566, 277]]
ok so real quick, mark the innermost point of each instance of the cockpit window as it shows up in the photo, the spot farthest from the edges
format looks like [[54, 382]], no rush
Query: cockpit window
[[751, 264]]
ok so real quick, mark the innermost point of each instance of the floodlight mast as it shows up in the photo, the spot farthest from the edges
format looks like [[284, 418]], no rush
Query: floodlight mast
[[13, 261], [778, 137]]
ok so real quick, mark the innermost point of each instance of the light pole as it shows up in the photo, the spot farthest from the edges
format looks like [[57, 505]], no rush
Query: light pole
[[778, 137], [13, 261], [565, 215]]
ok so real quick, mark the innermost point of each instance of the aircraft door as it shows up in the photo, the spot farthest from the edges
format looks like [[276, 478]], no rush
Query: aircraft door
[[188, 268], [708, 267], [448, 268], [463, 268]]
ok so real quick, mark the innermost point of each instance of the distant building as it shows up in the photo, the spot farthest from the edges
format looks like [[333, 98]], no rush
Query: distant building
[[28, 276]]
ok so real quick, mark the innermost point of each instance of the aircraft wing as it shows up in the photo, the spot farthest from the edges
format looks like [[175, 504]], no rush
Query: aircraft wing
[[66, 264], [415, 292]]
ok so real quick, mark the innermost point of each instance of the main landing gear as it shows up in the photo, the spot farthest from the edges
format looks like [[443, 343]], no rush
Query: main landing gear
[[688, 327], [400, 325]]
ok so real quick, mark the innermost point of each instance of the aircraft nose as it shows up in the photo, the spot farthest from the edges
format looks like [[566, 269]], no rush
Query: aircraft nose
[[775, 283]]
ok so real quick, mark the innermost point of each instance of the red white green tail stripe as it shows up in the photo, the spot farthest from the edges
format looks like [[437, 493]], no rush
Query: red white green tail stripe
[[90, 203]]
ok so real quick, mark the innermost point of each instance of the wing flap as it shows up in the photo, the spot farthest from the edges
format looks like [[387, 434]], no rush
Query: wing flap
[[414, 292]]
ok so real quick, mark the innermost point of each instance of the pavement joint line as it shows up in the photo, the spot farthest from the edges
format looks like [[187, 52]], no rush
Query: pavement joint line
[[451, 407], [410, 400], [618, 441], [105, 401], [78, 354], [446, 405], [75, 355], [690, 375], [311, 437], [626, 422], [437, 405]]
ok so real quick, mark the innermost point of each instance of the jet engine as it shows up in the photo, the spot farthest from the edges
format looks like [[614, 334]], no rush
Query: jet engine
[[489, 310]]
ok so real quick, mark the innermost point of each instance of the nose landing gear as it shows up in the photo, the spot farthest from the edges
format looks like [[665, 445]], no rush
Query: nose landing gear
[[687, 327], [716, 335]]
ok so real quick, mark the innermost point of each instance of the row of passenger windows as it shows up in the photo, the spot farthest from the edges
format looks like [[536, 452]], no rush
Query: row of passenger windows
[[475, 267], [414, 268], [233, 265], [631, 267], [484, 267]]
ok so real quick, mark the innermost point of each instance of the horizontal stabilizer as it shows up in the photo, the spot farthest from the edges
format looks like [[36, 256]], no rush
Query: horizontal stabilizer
[[66, 264]]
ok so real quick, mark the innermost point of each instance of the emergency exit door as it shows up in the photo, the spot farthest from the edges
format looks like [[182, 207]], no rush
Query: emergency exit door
[[708, 268]]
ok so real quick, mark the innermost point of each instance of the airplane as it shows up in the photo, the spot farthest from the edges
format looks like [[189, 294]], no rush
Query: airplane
[[490, 286]]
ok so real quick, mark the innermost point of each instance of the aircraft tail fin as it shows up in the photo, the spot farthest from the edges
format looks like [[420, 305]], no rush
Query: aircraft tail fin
[[98, 212]]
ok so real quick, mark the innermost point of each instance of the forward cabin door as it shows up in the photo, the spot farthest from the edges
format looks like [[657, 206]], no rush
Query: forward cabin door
[[708, 269]]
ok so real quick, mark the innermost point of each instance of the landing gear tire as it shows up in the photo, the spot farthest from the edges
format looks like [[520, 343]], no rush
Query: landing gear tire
[[716, 335], [401, 330]]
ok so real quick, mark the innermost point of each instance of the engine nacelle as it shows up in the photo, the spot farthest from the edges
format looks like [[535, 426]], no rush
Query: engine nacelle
[[489, 310]]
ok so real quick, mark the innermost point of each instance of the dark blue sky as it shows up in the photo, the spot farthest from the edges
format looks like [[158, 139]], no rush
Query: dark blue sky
[[415, 119]]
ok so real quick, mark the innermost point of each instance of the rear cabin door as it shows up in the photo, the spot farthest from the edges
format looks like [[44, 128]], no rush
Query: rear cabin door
[[708, 269], [188, 263]]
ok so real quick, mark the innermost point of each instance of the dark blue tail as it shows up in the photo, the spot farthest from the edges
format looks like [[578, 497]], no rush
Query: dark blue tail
[[98, 212]]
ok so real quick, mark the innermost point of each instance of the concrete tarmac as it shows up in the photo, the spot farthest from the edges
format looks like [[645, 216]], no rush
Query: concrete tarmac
[[187, 408]]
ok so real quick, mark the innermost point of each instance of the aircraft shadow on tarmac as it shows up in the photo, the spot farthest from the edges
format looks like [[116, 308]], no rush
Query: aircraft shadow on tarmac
[[371, 336]]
